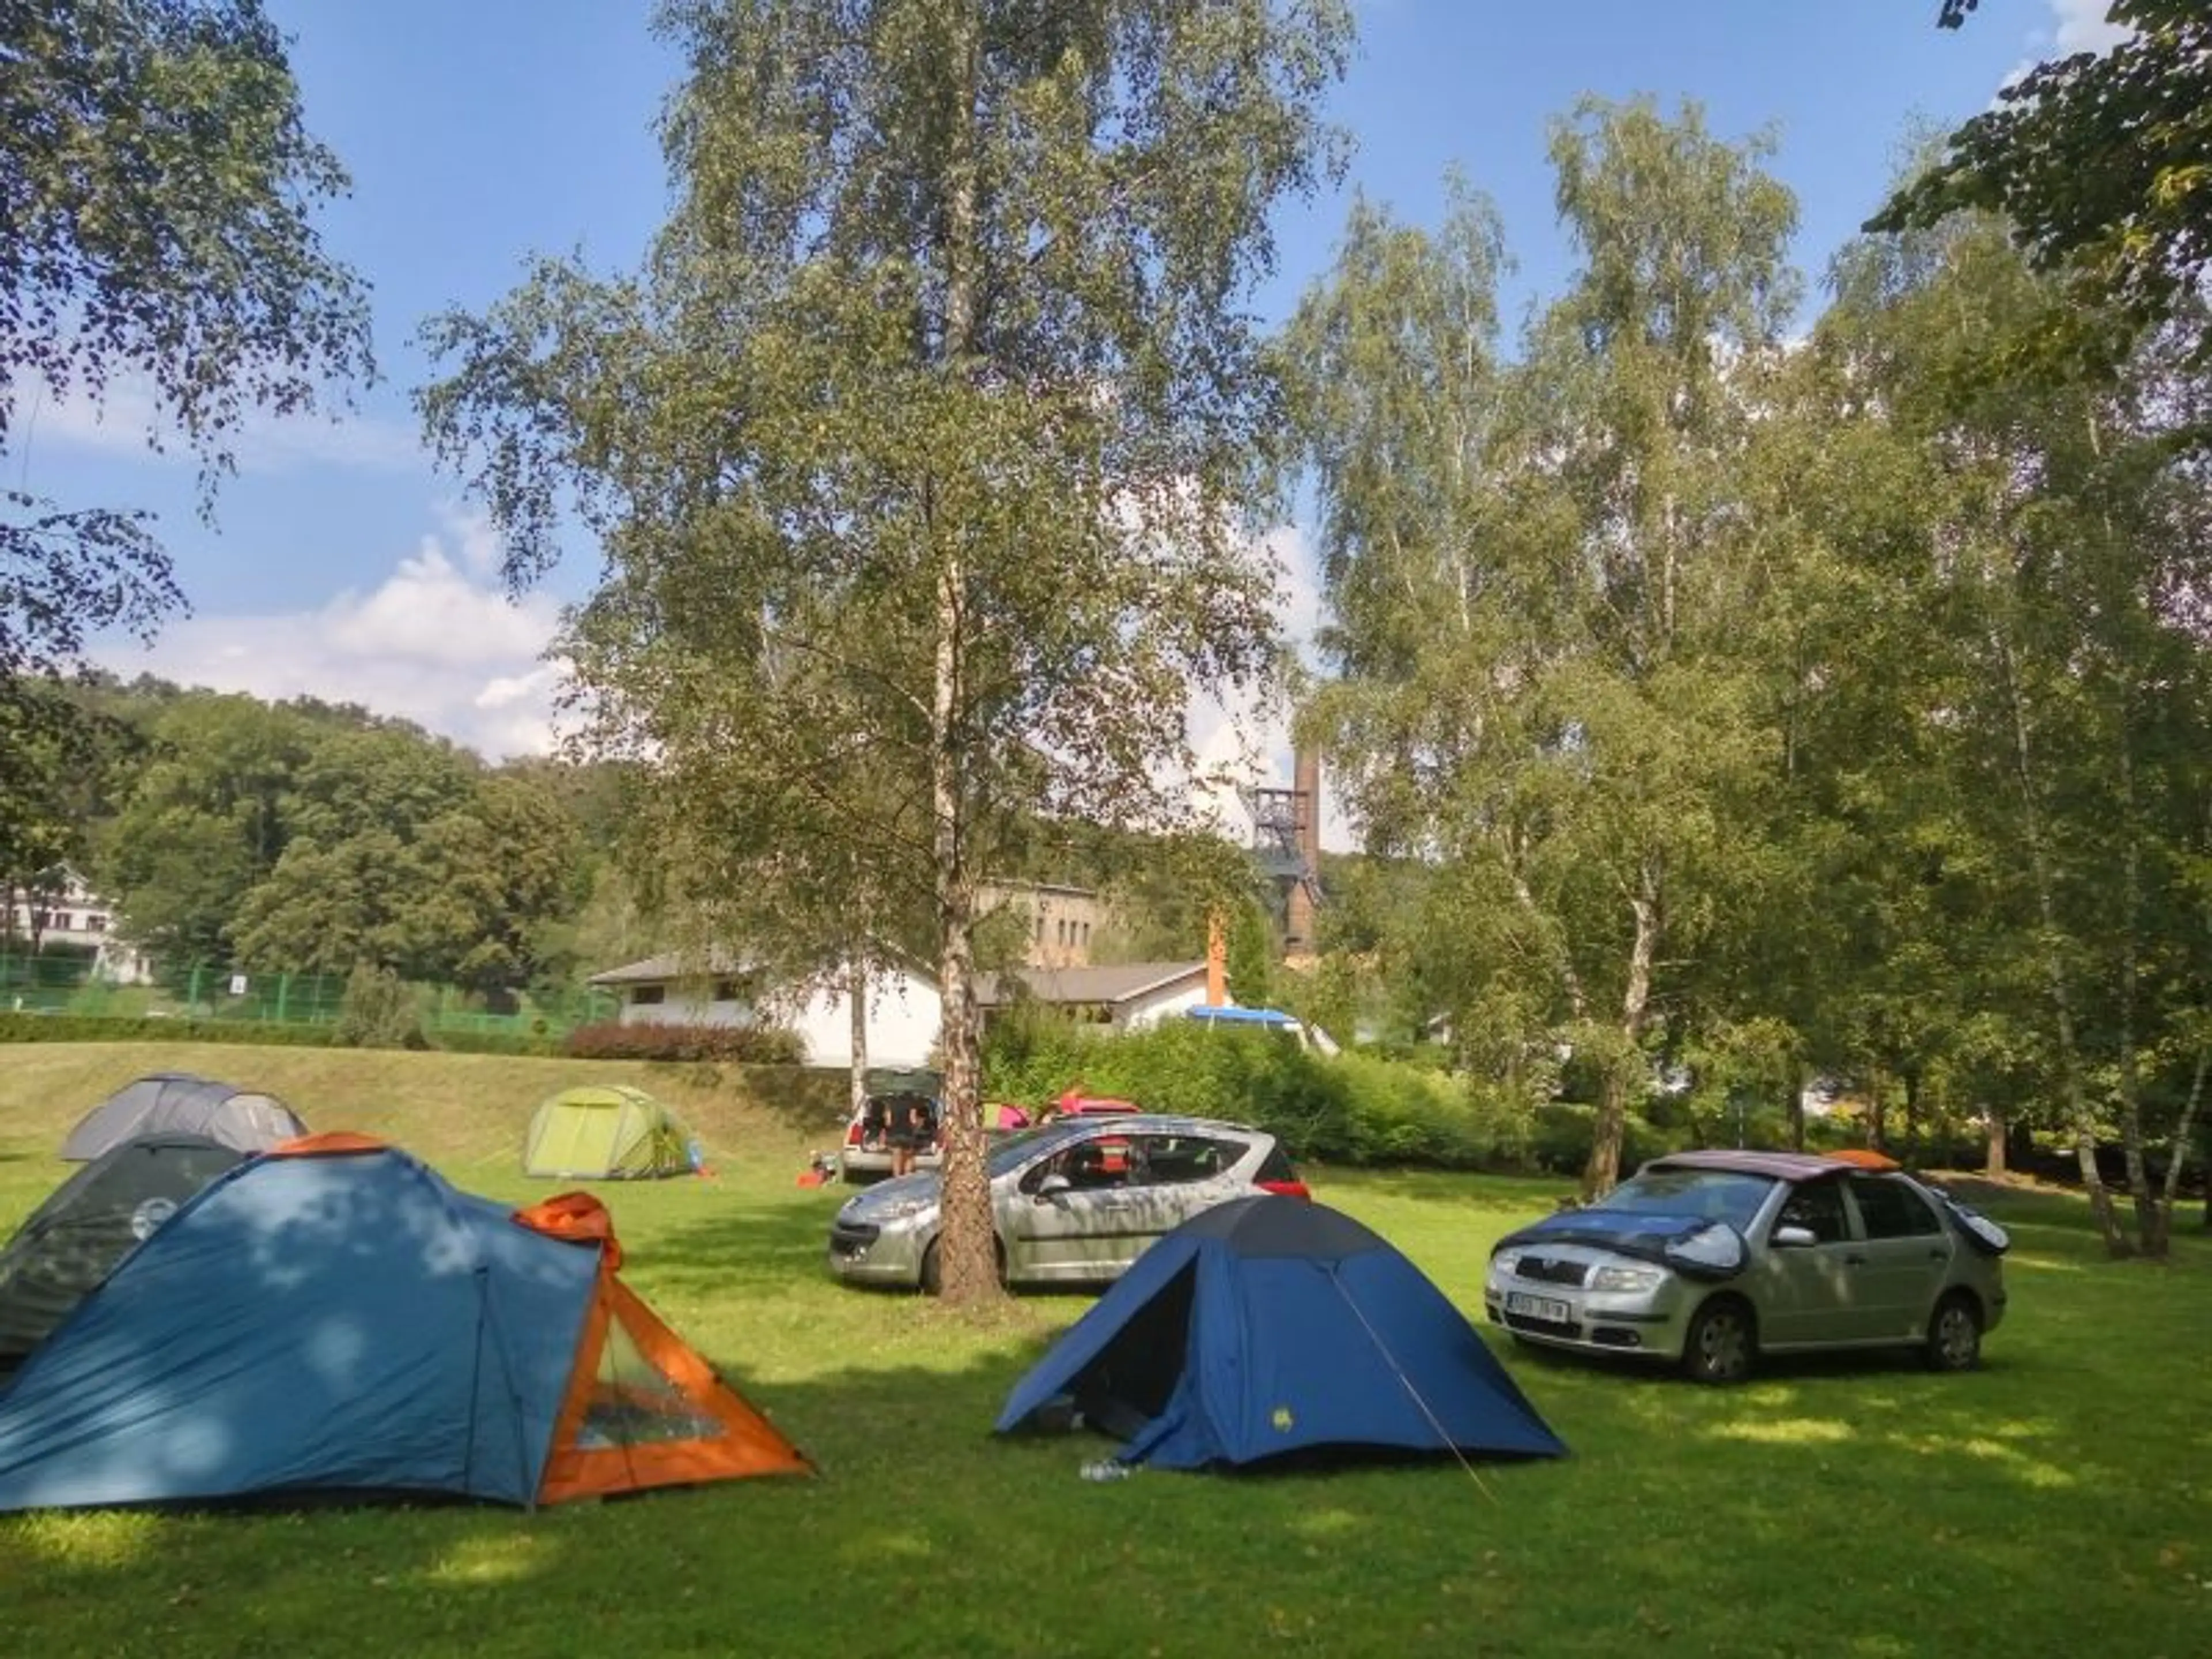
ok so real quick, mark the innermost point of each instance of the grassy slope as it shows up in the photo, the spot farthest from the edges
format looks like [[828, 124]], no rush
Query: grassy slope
[[2047, 1502]]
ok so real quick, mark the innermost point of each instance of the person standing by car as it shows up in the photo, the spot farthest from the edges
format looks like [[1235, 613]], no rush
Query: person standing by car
[[911, 1132]]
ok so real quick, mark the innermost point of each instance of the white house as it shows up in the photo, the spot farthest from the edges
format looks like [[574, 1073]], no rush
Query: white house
[[904, 1011], [1128, 998], [63, 909]]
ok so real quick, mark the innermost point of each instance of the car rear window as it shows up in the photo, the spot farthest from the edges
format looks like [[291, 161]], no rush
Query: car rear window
[[1276, 1166]]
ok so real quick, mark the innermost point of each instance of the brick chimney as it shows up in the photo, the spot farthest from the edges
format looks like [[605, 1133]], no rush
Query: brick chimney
[[1217, 961], [1298, 908]]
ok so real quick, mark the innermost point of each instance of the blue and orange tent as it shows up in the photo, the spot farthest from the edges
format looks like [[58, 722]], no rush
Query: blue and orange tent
[[1272, 1326], [333, 1317]]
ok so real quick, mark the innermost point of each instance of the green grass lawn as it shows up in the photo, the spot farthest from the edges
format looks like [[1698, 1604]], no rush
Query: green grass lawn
[[2051, 1503]]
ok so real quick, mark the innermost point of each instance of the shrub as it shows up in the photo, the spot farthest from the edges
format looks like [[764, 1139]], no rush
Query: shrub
[[744, 1045], [464, 1041], [1351, 1108], [87, 1028], [380, 1011]]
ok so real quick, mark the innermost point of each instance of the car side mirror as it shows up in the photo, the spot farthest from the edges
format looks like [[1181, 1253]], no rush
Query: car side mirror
[[1793, 1238], [1052, 1186]]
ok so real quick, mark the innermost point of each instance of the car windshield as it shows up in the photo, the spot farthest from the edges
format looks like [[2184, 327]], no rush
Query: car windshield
[[1716, 1195], [1011, 1151]]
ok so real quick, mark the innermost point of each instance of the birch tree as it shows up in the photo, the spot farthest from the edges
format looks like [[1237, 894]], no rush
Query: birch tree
[[917, 448], [1539, 572]]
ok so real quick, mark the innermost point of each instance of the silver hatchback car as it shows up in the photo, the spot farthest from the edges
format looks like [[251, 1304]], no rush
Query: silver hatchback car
[[1710, 1258], [1074, 1202]]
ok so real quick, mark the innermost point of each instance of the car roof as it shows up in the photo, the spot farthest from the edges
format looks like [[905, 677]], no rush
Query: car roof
[[1783, 1166], [1164, 1122]]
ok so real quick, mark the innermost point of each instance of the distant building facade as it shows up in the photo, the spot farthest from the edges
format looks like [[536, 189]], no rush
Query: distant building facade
[[64, 909], [1060, 920]]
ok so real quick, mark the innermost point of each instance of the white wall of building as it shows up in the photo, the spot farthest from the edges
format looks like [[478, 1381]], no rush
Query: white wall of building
[[1171, 1002], [74, 915], [904, 1016]]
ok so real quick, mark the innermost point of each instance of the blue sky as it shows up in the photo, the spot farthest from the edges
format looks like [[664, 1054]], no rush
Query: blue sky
[[340, 563]]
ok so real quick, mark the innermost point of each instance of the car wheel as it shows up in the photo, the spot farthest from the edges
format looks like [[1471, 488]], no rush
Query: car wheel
[[1955, 1336], [1722, 1343]]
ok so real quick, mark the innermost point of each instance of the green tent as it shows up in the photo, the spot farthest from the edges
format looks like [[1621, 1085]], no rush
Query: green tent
[[606, 1134]]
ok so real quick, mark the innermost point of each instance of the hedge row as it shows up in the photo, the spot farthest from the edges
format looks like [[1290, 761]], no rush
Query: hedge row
[[1349, 1109], [99, 1028], [275, 1034], [736, 1044]]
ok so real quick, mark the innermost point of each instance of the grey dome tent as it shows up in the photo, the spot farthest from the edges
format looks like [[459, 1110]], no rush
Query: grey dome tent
[[177, 1103], [73, 1240]]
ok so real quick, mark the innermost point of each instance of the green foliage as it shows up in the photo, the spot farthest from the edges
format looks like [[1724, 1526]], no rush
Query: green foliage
[[2101, 165], [301, 838], [159, 187], [380, 1011], [88, 1027], [1252, 949], [1351, 1108], [744, 1045], [1568, 746]]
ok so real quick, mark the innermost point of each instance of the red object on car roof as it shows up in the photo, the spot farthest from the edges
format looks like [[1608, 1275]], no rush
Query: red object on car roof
[[1072, 1104], [1866, 1159]]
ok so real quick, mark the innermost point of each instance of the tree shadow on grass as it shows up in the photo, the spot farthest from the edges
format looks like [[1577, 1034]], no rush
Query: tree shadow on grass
[[923, 1533]]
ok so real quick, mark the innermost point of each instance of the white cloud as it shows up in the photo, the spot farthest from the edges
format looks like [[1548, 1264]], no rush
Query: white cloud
[[120, 422], [2081, 25], [435, 643]]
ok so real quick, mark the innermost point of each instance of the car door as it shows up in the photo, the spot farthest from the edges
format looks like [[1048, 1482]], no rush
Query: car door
[[1906, 1252], [1171, 1178], [1809, 1294], [1063, 1221]]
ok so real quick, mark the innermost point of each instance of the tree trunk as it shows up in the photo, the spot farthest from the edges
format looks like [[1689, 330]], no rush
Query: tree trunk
[[967, 1265], [856, 993], [1796, 1082], [1602, 1173], [2148, 1226], [1912, 1075], [1994, 1164], [2158, 1238], [1877, 1112], [2054, 964]]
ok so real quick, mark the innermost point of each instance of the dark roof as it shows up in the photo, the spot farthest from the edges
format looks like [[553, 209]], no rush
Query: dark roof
[[1785, 1166], [671, 965], [1270, 1224], [1122, 982]]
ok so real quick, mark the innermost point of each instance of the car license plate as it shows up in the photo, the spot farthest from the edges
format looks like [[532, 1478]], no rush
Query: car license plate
[[1538, 1307]]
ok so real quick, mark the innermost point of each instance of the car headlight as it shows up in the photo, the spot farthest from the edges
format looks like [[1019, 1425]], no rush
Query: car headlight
[[1626, 1278], [901, 1209], [1507, 1264]]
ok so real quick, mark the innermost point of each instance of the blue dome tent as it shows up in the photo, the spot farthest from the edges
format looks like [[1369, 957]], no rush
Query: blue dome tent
[[332, 1319], [1275, 1326]]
